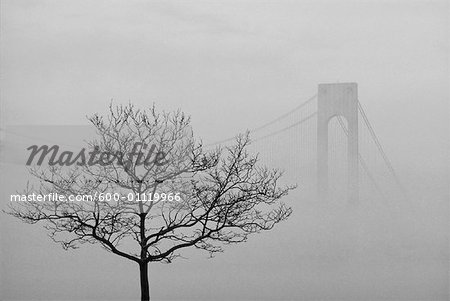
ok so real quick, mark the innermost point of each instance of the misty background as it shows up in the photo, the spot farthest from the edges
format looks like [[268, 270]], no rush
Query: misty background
[[232, 66]]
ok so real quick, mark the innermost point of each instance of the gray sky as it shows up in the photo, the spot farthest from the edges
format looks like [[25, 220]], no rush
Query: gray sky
[[231, 65], [209, 58]]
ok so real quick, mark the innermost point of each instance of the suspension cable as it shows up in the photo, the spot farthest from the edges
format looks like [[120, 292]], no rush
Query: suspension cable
[[309, 100], [287, 128], [285, 114], [381, 150], [362, 161]]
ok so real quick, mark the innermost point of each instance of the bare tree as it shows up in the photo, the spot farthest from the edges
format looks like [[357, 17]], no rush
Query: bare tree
[[193, 198]]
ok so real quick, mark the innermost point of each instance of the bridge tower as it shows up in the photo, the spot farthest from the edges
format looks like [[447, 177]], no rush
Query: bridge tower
[[334, 100]]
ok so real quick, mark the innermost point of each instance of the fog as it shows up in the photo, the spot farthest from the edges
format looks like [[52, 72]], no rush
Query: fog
[[234, 66]]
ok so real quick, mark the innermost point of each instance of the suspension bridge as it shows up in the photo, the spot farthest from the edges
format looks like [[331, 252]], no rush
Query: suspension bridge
[[328, 145]]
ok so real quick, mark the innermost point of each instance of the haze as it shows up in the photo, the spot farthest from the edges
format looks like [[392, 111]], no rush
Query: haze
[[234, 65]]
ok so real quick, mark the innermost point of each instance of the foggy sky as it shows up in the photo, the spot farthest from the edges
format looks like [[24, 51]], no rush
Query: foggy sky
[[233, 65]]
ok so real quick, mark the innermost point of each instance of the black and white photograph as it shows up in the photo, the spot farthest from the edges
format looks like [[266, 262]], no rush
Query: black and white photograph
[[225, 150]]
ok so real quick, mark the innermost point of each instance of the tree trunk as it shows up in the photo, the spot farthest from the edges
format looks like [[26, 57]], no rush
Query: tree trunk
[[145, 288]]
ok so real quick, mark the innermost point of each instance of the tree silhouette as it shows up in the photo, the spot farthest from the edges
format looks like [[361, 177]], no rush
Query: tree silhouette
[[193, 198]]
